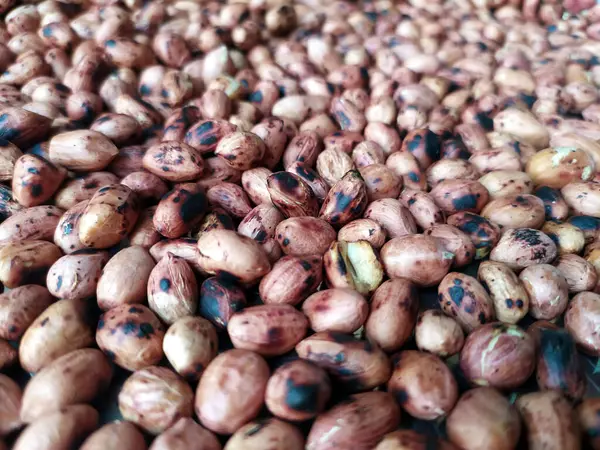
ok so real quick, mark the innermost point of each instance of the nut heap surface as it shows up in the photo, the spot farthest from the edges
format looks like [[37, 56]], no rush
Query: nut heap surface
[[299, 224]]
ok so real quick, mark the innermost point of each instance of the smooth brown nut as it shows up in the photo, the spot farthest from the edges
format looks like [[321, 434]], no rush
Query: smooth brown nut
[[579, 273], [61, 429], [558, 364], [554, 204], [581, 319], [297, 390], [154, 398], [464, 298], [454, 196], [131, 336], [380, 181], [26, 262], [547, 289], [484, 419], [422, 259], [147, 186], [82, 150], [240, 150], [451, 169], [587, 413], [8, 355], [363, 230], [303, 148], [557, 167], [205, 135], [185, 433], [219, 300], [76, 275], [172, 290], [498, 355], [332, 164], [77, 377], [292, 196], [422, 207], [269, 330], [395, 218], [569, 239], [123, 435], [227, 252], [124, 278], [515, 211], [342, 310], [230, 197], [522, 247], [394, 308], [363, 367], [511, 301], [454, 241], [411, 440], [10, 407], [583, 198], [35, 180], [190, 344], [254, 182], [424, 145], [486, 161], [292, 279], [353, 265], [275, 433], [346, 200], [180, 210], [502, 183], [483, 233], [231, 391], [304, 236], [538, 410], [438, 334], [119, 128], [358, 423], [422, 384], [20, 307], [185, 248], [63, 327], [174, 161], [83, 188], [23, 128], [109, 216]]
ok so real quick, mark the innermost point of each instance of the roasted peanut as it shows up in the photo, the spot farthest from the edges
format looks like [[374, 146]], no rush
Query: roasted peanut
[[547, 289], [438, 334]]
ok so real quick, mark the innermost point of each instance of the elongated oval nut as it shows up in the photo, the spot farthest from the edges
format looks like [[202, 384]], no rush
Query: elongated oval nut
[[82, 150]]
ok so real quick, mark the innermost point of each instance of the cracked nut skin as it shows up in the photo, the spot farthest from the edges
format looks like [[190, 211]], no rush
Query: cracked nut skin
[[292, 196], [511, 301], [185, 434], [558, 364], [131, 336], [154, 398], [292, 279], [266, 433], [268, 330], [420, 258], [422, 384], [550, 422], [20, 307], [358, 423], [231, 391], [339, 309], [393, 314], [219, 300], [357, 365], [582, 319], [547, 289], [122, 435], [298, 390], [346, 200], [522, 247], [484, 419], [438, 334], [498, 355], [464, 298], [353, 265]]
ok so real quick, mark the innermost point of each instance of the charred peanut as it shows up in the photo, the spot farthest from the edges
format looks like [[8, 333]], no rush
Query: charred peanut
[[290, 195], [515, 211], [579, 273], [548, 290], [550, 422], [342, 310], [353, 265], [581, 320], [363, 367], [346, 200], [220, 406], [292, 279], [154, 398], [269, 330], [392, 216], [358, 423], [422, 384], [119, 128], [76, 275], [35, 180], [180, 210], [174, 161], [438, 334], [511, 301], [205, 135], [522, 247], [454, 241], [35, 223], [124, 278], [287, 397], [311, 177], [484, 419], [483, 233], [590, 226], [172, 289], [123, 435], [453, 196], [131, 336], [77, 377], [424, 145], [219, 300]]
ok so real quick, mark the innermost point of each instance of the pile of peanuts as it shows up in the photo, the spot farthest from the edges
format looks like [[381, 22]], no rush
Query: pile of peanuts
[[243, 204]]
